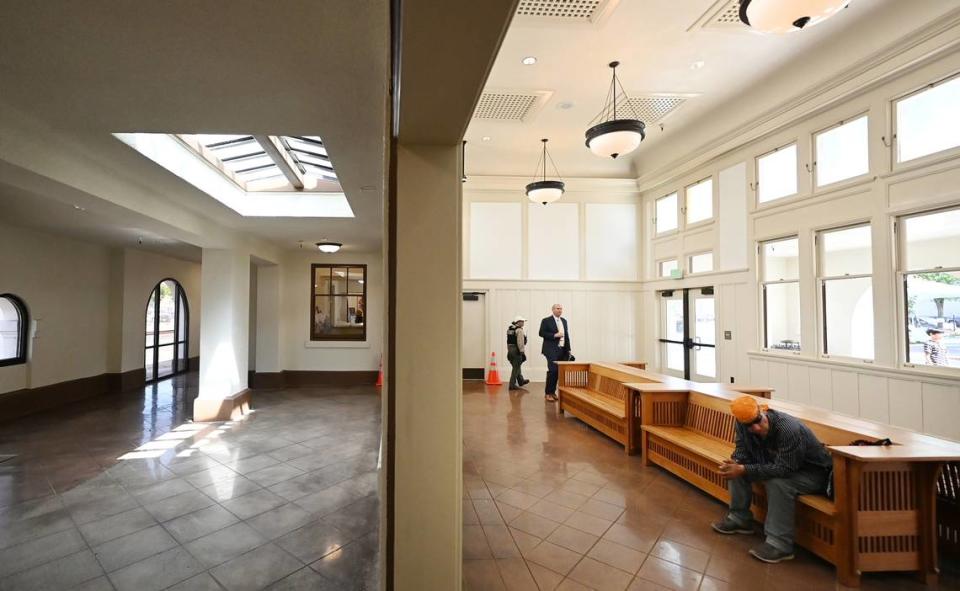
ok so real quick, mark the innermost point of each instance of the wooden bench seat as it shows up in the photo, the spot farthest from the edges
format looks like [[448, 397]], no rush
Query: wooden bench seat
[[882, 516], [595, 394]]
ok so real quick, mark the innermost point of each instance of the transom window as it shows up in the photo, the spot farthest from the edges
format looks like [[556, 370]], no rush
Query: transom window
[[14, 322], [666, 214], [846, 291], [930, 267], [780, 285], [701, 262], [699, 201], [928, 121], [668, 267], [338, 307], [777, 174], [842, 152]]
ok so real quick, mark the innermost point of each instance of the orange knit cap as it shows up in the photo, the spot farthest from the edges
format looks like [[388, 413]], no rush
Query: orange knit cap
[[746, 408]]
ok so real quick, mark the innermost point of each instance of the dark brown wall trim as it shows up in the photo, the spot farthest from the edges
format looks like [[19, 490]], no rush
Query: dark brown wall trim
[[297, 379], [27, 401]]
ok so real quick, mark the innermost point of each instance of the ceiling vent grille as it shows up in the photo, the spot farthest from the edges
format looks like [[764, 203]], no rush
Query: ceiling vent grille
[[723, 15], [509, 105], [565, 11], [654, 108]]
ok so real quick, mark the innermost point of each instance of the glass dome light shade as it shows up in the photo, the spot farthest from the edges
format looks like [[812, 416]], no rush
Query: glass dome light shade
[[615, 138], [329, 247], [784, 16], [545, 191]]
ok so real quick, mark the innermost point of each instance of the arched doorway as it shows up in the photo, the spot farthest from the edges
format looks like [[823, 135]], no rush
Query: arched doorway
[[167, 327]]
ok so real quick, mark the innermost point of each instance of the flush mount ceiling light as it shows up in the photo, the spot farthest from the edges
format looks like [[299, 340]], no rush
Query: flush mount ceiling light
[[328, 247], [544, 191], [614, 135], [529, 60], [784, 16]]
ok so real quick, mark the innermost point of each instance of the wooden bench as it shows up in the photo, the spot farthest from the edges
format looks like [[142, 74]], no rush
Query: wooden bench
[[595, 394], [882, 516]]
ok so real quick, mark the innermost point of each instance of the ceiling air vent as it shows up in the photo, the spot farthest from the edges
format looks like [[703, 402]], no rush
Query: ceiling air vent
[[564, 11], [509, 105], [653, 108], [723, 15]]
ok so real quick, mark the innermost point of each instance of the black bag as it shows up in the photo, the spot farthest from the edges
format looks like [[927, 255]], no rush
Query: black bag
[[883, 442]]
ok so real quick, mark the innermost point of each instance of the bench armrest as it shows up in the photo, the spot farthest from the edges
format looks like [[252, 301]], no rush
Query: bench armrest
[[572, 374], [667, 409]]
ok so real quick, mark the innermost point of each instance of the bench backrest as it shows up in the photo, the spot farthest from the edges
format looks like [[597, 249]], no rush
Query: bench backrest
[[711, 416]]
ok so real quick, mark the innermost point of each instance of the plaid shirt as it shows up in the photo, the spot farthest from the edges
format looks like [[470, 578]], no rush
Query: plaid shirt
[[789, 447]]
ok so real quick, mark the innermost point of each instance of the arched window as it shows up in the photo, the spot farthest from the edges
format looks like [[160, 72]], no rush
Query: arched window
[[167, 324], [14, 322]]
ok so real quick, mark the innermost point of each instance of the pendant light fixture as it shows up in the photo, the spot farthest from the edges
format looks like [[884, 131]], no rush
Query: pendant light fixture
[[784, 16], [544, 191], [328, 247], [615, 134]]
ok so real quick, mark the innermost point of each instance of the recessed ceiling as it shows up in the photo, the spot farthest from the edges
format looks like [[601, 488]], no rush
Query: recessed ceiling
[[300, 69], [657, 41]]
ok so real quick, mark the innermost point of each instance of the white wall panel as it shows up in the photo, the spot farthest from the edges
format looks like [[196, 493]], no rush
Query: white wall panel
[[760, 374], [731, 247], [821, 394], [874, 400], [941, 410], [906, 404], [554, 243], [799, 378], [846, 398], [779, 379], [612, 237], [495, 241]]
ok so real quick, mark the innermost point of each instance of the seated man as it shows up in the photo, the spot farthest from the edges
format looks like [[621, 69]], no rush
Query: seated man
[[782, 453]]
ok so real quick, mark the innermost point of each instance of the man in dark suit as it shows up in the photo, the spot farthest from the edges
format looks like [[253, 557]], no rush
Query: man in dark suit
[[556, 347]]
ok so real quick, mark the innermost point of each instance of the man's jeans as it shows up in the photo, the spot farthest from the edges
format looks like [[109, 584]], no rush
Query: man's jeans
[[515, 357], [781, 503]]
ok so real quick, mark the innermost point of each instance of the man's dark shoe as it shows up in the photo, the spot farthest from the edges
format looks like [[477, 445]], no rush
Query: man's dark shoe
[[768, 553], [524, 382], [729, 526]]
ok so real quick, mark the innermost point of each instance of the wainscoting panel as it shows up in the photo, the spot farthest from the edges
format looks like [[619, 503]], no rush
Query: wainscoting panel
[[924, 404]]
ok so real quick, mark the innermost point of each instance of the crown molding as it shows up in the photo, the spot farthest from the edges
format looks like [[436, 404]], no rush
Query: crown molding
[[909, 53], [500, 184]]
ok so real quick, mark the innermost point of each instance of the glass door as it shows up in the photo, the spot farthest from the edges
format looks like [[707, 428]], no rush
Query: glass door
[[673, 331], [688, 332], [167, 320]]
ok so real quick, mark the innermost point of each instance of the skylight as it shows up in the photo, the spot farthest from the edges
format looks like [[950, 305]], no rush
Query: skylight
[[256, 176], [268, 163]]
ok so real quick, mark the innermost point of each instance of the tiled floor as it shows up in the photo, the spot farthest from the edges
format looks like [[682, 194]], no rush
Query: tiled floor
[[286, 499], [551, 504]]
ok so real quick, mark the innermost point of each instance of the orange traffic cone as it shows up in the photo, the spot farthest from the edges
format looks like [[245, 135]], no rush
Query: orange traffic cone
[[493, 376], [380, 375]]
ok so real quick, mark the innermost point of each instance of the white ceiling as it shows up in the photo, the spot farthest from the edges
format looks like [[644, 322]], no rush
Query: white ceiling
[[657, 41], [201, 66]]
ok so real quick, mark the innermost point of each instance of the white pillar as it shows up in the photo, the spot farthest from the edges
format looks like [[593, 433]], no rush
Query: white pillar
[[428, 441], [224, 340]]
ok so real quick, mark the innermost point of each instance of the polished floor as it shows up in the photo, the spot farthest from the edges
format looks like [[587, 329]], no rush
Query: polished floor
[[128, 494], [550, 504]]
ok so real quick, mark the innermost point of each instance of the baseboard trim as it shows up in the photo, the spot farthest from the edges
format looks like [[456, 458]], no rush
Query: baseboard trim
[[27, 401], [300, 379]]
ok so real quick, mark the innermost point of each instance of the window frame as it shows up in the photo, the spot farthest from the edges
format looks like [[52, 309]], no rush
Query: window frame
[[314, 337], [756, 175], [656, 216], [920, 161], [660, 262], [822, 280], [690, 256], [900, 238], [685, 206], [818, 188], [23, 332], [762, 283], [181, 306]]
